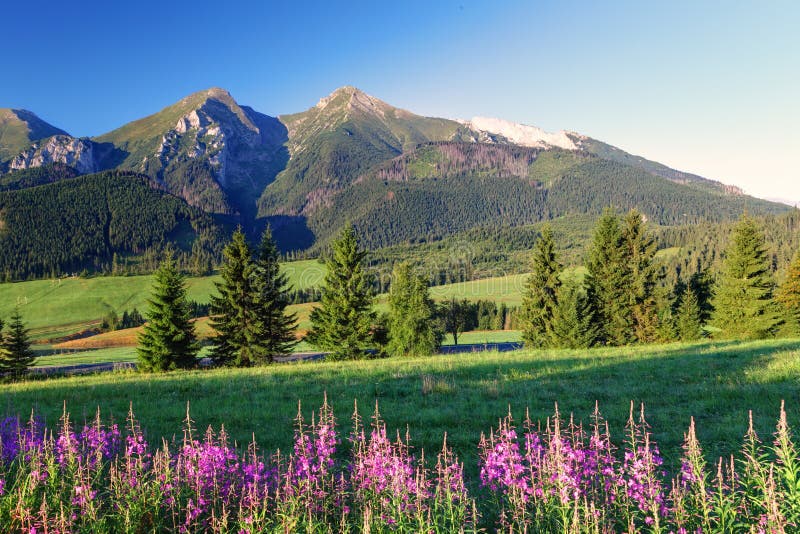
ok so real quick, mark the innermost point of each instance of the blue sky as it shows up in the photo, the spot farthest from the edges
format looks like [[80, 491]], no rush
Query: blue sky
[[710, 87]]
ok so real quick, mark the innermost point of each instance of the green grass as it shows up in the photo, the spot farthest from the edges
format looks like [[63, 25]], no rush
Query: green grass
[[485, 336], [78, 302], [717, 383], [507, 289], [54, 308], [128, 354], [500, 288], [109, 355], [114, 354], [58, 308]]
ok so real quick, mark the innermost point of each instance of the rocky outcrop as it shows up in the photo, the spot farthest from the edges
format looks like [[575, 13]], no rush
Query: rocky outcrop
[[74, 152], [216, 134]]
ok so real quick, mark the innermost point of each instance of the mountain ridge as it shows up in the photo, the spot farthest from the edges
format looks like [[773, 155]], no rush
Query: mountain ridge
[[351, 155], [347, 101]]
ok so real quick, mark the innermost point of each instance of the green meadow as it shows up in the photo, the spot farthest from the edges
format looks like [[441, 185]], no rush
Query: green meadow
[[55, 308], [462, 394]]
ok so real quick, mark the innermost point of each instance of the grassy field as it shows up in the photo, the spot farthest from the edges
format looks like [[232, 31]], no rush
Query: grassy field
[[484, 336], [54, 308], [463, 394], [115, 355], [501, 289], [127, 337], [507, 289], [127, 352], [60, 308]]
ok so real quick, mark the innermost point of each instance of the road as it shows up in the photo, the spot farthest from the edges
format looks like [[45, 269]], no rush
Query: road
[[101, 367]]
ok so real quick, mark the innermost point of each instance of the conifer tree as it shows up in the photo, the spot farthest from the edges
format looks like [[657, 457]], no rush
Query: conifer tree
[[16, 356], [788, 293], [342, 322], [234, 310], [574, 322], [168, 339], [702, 284], [743, 302], [275, 328], [499, 322], [607, 279], [539, 297], [688, 319], [667, 329], [413, 329], [639, 250]]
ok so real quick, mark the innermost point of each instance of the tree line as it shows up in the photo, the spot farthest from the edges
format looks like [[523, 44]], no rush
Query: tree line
[[249, 312], [624, 299]]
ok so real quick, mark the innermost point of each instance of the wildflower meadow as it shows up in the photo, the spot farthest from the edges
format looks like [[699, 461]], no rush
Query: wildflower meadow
[[552, 476]]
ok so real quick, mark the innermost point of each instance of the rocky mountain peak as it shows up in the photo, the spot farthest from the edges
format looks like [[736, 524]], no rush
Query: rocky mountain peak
[[218, 92], [349, 98]]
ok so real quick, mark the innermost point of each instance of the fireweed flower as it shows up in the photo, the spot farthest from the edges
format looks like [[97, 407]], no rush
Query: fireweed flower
[[502, 464], [552, 477], [98, 444], [384, 479], [641, 472]]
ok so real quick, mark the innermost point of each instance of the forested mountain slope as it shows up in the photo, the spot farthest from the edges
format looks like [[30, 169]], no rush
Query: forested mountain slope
[[85, 222], [397, 176]]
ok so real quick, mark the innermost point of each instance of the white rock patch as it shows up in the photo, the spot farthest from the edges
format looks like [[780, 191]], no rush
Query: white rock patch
[[520, 134]]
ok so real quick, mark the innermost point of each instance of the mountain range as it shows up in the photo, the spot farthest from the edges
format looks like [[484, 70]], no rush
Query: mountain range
[[395, 175]]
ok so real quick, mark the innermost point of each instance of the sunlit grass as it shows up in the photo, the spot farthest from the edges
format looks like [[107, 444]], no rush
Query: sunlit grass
[[717, 383]]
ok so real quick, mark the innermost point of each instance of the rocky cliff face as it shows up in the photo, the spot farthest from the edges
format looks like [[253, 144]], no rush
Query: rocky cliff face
[[19, 128], [71, 151], [205, 148], [216, 134]]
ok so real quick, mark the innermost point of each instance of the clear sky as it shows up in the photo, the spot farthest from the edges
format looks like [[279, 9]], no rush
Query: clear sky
[[710, 87]]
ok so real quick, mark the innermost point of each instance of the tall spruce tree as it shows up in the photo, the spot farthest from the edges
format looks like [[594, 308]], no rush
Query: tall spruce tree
[[413, 329], [688, 317], [234, 311], [702, 284], [607, 279], [16, 356], [275, 328], [574, 324], [743, 302], [639, 250], [168, 339], [342, 323], [788, 293], [539, 297]]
